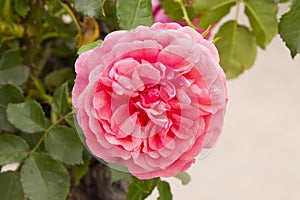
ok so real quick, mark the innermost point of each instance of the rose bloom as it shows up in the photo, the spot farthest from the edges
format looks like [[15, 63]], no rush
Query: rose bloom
[[150, 98], [159, 15]]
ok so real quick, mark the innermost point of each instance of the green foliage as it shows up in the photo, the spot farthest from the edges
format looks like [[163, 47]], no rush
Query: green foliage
[[32, 139], [183, 177], [11, 70], [56, 78], [78, 171], [60, 99], [91, 8], [262, 16], [5, 125], [164, 191], [8, 94], [43, 178], [140, 13], [6, 10], [63, 30], [109, 15], [16, 75], [22, 7], [28, 117], [117, 175], [281, 1], [63, 144], [10, 186], [212, 11], [140, 189], [173, 10], [12, 149], [234, 57], [10, 58], [289, 28], [8, 30], [89, 46], [70, 120]]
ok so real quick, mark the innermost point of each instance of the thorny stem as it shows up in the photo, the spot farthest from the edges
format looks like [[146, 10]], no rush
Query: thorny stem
[[185, 14], [206, 31]]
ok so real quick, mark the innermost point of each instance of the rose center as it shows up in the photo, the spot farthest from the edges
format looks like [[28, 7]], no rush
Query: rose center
[[150, 95], [143, 102]]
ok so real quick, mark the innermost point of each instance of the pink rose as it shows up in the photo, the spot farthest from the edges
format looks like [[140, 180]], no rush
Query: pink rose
[[150, 98], [159, 15]]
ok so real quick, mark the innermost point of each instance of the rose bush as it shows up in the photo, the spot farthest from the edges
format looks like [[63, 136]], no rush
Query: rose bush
[[150, 98]]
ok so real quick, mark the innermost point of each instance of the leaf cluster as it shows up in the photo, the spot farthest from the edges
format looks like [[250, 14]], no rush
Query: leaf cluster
[[37, 52], [237, 44], [43, 165], [141, 189]]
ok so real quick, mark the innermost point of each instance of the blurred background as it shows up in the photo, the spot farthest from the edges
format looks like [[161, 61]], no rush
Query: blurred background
[[258, 154]]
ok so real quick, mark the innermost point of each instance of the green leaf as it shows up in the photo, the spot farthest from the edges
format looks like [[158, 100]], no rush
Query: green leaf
[[134, 13], [28, 117], [10, 30], [10, 94], [17, 75], [6, 10], [262, 17], [12, 149], [60, 100], [56, 78], [11, 70], [164, 191], [61, 29], [22, 7], [140, 189], [33, 139], [9, 59], [10, 186], [109, 17], [173, 10], [43, 178], [74, 123], [117, 175], [89, 46], [66, 49], [63, 144], [183, 177], [212, 11], [79, 171], [289, 28], [237, 48], [70, 120], [91, 8], [4, 123]]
